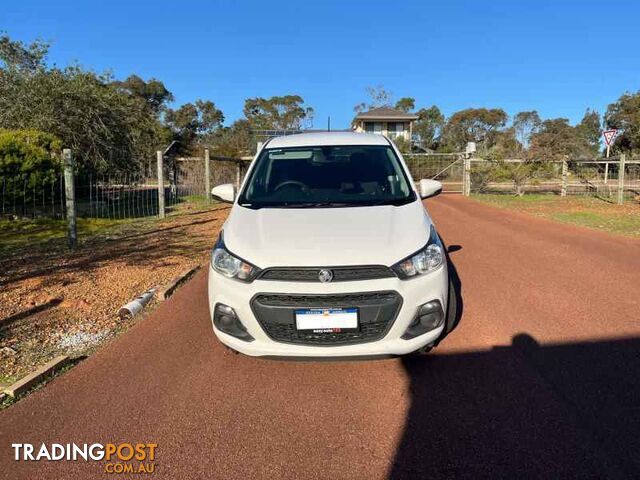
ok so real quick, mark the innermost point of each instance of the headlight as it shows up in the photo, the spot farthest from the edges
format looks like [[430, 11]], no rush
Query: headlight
[[231, 266], [425, 260]]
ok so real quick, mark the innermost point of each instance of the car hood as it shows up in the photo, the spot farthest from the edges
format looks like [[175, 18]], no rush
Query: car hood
[[379, 235]]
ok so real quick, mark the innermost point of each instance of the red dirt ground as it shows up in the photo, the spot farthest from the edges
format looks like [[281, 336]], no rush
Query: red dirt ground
[[540, 380]]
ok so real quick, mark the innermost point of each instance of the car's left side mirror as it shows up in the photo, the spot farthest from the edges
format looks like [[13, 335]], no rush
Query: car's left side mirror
[[225, 192], [429, 188]]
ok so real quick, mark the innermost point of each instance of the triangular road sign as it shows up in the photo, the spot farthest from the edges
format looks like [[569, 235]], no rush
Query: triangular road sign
[[609, 135]]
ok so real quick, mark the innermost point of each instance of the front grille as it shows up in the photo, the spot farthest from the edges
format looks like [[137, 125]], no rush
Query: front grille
[[377, 312], [340, 274]]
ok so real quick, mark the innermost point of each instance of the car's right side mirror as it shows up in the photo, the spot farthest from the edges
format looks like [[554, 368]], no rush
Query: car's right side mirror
[[429, 188], [225, 192]]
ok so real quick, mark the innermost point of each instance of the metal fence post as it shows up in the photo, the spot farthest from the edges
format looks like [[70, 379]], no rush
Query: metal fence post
[[565, 174], [160, 157], [238, 171], [621, 179], [70, 198], [466, 179], [207, 173]]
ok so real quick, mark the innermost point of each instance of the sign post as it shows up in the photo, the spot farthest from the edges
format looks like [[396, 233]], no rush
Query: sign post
[[609, 137]]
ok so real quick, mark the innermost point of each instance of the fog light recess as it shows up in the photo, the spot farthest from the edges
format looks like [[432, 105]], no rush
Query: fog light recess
[[428, 317], [226, 320]]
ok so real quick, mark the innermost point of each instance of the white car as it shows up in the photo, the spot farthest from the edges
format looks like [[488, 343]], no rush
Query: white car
[[329, 252]]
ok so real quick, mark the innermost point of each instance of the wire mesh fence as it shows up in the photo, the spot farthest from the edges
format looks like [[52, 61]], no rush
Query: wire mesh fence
[[602, 177], [127, 195], [32, 196], [447, 168], [116, 196], [572, 177], [120, 195]]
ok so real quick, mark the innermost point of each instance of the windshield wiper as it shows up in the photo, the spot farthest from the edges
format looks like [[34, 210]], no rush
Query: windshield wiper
[[316, 204], [396, 202]]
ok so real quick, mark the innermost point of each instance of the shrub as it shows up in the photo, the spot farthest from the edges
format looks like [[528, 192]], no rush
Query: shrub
[[29, 160], [481, 174], [518, 173], [29, 152]]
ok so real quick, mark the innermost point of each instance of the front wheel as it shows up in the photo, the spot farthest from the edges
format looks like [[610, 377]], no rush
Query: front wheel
[[453, 303]]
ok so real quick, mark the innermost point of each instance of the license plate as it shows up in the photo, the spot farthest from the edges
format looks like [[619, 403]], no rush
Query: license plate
[[327, 320]]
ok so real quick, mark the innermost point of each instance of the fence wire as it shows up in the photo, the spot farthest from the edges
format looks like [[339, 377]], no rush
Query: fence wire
[[135, 195], [114, 196], [32, 196], [583, 177], [446, 168]]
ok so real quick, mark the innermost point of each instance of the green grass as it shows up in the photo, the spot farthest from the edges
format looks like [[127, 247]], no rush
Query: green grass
[[193, 199], [625, 225], [8, 400], [16, 234], [513, 200], [52, 234], [7, 380], [585, 211]]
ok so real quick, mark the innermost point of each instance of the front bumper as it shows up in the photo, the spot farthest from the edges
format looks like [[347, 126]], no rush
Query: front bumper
[[414, 293]]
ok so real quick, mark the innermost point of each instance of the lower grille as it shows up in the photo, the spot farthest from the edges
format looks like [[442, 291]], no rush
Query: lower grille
[[377, 312]]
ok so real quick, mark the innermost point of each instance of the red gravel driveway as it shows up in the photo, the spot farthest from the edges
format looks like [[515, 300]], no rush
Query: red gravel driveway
[[540, 379]]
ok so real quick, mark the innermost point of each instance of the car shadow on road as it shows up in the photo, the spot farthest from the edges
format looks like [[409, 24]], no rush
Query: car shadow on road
[[529, 410]]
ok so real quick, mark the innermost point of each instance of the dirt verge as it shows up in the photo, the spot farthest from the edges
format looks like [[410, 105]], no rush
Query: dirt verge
[[57, 303]]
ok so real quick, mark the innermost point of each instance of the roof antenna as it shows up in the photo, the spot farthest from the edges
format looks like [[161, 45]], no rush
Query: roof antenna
[[328, 124]]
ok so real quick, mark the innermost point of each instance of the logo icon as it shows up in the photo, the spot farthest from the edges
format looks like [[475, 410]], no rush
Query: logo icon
[[325, 276]]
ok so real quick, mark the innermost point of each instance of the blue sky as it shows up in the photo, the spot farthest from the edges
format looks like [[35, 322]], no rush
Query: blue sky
[[557, 57]]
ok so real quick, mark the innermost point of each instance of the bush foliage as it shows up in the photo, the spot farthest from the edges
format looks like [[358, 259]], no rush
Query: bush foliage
[[29, 152]]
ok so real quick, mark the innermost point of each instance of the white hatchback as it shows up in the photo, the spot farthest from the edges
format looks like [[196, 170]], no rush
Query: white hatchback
[[329, 252]]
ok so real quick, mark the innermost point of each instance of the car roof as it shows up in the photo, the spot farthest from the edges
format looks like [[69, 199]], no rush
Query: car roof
[[320, 139]]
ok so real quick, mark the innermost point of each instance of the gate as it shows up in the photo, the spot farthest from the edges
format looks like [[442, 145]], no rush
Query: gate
[[447, 168]]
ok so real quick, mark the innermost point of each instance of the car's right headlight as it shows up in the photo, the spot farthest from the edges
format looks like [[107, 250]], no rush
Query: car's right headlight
[[227, 264], [425, 260]]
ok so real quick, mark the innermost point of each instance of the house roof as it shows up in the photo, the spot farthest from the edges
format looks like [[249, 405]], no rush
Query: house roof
[[385, 113]]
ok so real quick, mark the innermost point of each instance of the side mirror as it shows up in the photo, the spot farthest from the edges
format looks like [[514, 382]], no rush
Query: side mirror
[[225, 193], [429, 188]]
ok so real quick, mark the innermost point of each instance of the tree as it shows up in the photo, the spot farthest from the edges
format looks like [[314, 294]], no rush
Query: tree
[[505, 145], [473, 125], [278, 113], [378, 97], [234, 141], [406, 104], [192, 121], [153, 93], [556, 140], [15, 55], [108, 128], [525, 125], [428, 126], [589, 131], [624, 115]]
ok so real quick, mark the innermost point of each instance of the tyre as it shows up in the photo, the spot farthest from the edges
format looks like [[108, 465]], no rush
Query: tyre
[[453, 303]]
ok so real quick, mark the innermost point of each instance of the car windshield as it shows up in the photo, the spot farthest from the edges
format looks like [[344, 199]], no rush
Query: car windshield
[[329, 176]]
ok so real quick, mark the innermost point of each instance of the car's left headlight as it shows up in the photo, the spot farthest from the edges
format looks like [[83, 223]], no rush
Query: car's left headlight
[[425, 260], [227, 264]]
